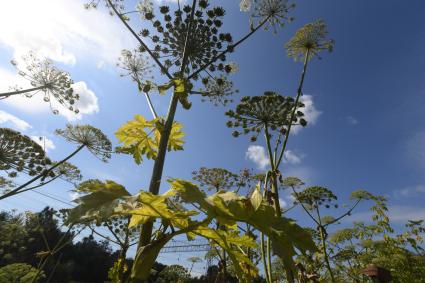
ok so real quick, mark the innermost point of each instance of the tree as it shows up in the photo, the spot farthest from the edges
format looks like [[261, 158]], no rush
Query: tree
[[173, 274], [19, 273]]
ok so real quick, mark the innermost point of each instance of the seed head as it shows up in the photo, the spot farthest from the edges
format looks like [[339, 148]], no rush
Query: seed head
[[19, 153], [55, 84], [310, 38], [95, 141]]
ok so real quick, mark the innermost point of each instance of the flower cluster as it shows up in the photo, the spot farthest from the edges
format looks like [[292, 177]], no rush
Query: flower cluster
[[135, 65], [310, 38], [19, 153], [91, 137], [271, 110], [204, 41], [218, 90], [215, 179], [274, 12], [54, 83], [316, 196]]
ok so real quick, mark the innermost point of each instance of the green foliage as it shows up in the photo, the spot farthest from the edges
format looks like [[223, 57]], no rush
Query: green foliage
[[141, 137], [98, 202], [173, 274], [19, 273]]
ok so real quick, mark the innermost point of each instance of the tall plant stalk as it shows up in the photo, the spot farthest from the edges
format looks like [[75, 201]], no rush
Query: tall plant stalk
[[22, 91], [158, 166]]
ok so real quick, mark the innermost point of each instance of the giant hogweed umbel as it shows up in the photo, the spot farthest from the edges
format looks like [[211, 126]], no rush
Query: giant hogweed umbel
[[45, 78]]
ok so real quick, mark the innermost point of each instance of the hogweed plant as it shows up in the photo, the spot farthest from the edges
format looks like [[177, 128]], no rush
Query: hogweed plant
[[274, 114], [45, 78], [188, 46], [313, 200]]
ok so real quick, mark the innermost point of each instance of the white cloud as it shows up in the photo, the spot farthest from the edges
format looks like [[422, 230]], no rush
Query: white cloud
[[311, 114], [62, 30], [257, 154], [44, 142], [351, 120], [14, 121], [410, 191], [291, 158]]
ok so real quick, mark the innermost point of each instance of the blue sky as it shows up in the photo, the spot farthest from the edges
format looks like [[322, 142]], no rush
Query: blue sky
[[368, 98]]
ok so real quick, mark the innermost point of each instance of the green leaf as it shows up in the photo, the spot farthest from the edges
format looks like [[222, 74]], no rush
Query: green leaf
[[99, 202], [140, 137]]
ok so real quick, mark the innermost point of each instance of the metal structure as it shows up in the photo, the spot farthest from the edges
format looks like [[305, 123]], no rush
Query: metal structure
[[186, 246]]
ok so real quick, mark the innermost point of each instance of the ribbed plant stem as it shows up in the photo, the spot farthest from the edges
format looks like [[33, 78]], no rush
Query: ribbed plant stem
[[294, 111], [145, 236], [7, 94]]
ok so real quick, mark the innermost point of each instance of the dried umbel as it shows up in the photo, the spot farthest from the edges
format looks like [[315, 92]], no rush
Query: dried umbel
[[217, 90], [44, 77], [19, 153], [135, 65], [310, 38], [91, 137], [270, 111], [204, 43], [275, 12], [215, 179]]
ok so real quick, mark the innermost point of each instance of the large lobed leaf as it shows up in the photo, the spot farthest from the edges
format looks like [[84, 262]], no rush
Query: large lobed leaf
[[99, 201], [140, 137]]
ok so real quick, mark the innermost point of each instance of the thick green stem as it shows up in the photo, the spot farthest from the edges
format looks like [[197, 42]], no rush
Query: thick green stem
[[294, 111], [7, 94], [269, 259], [275, 192], [145, 236], [18, 189], [323, 240], [263, 258]]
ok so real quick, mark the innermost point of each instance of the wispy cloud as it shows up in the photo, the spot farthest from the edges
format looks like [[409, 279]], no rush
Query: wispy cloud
[[290, 157], [415, 148], [351, 120], [13, 121], [410, 191]]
